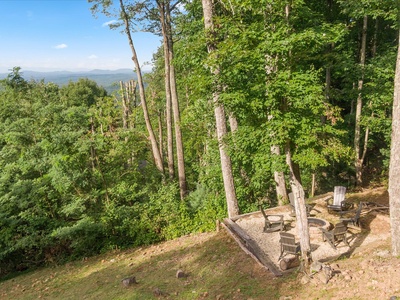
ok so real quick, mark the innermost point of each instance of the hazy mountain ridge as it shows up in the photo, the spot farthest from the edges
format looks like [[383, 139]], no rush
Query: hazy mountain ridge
[[106, 78]]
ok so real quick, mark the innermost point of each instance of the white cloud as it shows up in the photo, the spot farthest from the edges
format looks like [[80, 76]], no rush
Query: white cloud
[[109, 23], [61, 46], [93, 56]]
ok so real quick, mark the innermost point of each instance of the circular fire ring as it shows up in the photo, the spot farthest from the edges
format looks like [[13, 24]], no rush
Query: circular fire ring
[[314, 225]]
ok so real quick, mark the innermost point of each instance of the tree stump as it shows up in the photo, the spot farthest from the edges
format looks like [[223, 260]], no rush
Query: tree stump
[[287, 263]]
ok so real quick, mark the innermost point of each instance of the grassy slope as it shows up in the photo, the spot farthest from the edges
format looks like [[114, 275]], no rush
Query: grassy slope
[[215, 265], [217, 269]]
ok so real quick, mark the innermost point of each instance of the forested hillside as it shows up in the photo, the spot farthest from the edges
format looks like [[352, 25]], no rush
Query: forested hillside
[[241, 98]]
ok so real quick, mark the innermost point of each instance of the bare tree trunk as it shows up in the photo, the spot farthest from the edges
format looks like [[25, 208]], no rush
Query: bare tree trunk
[[279, 178], [128, 93], [175, 109], [313, 184], [233, 123], [394, 167], [301, 214], [160, 131], [155, 150], [359, 159], [168, 106], [226, 165], [165, 20], [125, 113]]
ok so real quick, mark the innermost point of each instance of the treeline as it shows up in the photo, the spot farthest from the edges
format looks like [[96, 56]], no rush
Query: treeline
[[75, 181], [301, 89]]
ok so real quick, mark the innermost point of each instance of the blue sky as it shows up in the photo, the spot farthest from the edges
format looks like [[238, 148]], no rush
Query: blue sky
[[55, 35]]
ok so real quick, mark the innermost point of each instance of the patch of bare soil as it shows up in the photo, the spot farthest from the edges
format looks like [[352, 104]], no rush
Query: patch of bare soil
[[367, 271]]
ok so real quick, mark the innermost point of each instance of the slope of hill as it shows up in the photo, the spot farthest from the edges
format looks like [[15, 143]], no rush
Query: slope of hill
[[107, 78], [215, 267]]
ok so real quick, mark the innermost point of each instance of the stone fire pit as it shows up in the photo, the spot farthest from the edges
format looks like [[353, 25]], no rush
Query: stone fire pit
[[314, 225]]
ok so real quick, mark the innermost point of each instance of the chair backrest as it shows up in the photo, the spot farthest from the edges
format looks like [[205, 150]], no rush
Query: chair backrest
[[339, 230], [358, 212], [288, 243], [339, 194]]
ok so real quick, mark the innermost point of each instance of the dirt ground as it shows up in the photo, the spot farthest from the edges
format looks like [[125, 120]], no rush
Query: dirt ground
[[367, 271]]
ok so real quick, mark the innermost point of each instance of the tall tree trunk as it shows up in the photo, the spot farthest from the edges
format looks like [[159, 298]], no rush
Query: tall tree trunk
[[313, 184], [226, 165], [279, 178], [125, 111], [160, 131], [394, 167], [155, 150], [168, 106], [359, 157], [301, 213], [165, 20], [175, 108], [128, 93]]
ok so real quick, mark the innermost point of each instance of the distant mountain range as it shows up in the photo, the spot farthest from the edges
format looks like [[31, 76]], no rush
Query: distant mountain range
[[109, 79]]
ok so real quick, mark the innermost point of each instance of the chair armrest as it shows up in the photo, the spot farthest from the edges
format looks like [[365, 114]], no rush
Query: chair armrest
[[346, 204], [328, 200], [346, 219]]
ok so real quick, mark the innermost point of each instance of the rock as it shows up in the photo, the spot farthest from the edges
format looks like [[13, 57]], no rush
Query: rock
[[327, 272], [180, 274], [128, 281], [393, 298], [158, 293], [315, 267]]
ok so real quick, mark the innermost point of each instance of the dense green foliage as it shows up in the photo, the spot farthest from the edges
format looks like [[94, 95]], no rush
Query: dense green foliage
[[74, 181]]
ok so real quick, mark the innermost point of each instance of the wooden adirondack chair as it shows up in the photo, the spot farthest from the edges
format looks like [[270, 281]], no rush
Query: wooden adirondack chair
[[272, 222], [336, 235], [288, 245], [339, 202], [355, 219]]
